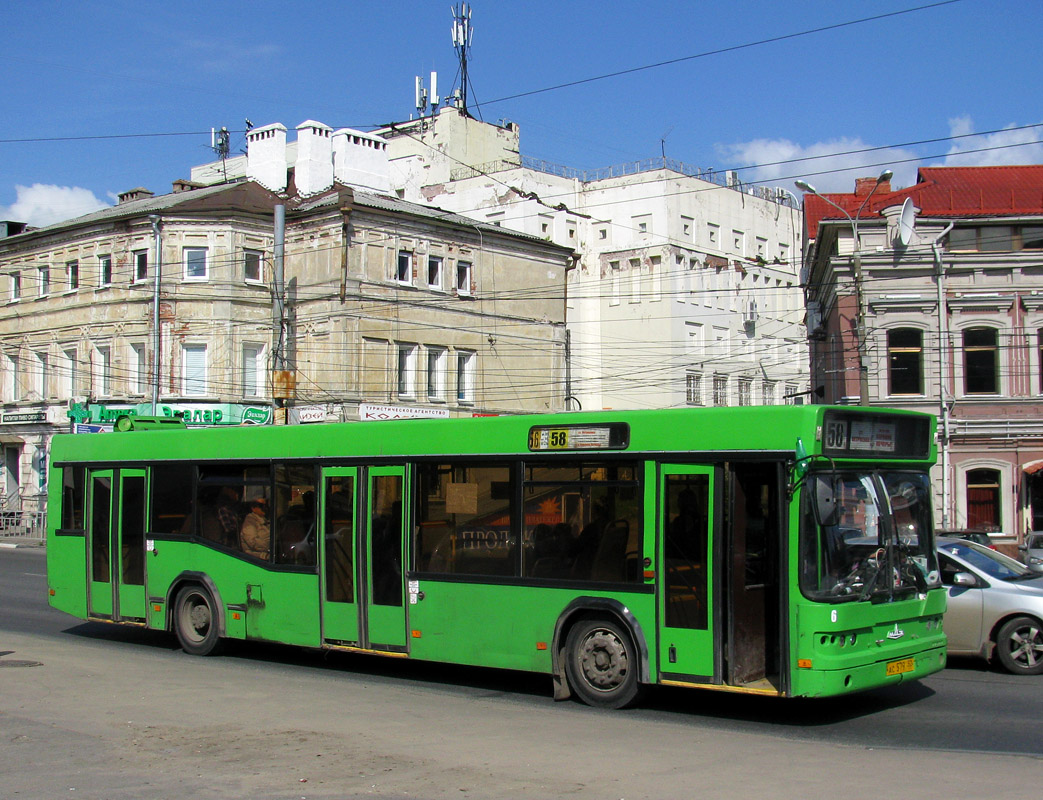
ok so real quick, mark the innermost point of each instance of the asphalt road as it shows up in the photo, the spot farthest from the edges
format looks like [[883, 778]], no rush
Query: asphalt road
[[112, 712]]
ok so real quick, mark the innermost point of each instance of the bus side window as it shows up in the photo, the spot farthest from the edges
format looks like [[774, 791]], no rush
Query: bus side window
[[172, 498], [72, 498]]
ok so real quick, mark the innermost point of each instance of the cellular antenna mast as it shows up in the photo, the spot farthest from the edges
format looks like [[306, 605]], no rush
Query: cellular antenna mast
[[462, 34]]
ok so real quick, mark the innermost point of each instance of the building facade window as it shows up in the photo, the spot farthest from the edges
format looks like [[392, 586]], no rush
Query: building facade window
[[72, 275], [69, 373], [140, 265], [104, 271], [436, 363], [12, 384], [16, 285], [193, 370], [745, 387], [137, 379], [102, 371], [404, 273], [463, 278], [41, 376], [253, 370], [905, 361], [768, 389], [983, 500], [981, 361], [252, 266], [195, 263], [720, 390], [406, 370], [44, 278], [465, 369], [434, 272], [693, 388]]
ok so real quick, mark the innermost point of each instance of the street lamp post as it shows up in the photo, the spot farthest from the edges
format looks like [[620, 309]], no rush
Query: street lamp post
[[856, 270]]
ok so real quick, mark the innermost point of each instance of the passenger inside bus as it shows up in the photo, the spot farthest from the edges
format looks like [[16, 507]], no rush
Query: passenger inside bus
[[255, 536]]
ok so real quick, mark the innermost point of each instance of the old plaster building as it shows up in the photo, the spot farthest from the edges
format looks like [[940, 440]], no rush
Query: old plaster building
[[938, 306], [387, 308]]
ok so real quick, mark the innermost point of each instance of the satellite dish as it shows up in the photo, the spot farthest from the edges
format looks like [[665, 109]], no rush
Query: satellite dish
[[906, 222]]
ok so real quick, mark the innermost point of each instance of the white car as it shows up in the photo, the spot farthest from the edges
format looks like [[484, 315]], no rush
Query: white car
[[995, 606]]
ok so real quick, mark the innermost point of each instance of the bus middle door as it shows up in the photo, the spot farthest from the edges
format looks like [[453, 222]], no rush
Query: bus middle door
[[116, 544]]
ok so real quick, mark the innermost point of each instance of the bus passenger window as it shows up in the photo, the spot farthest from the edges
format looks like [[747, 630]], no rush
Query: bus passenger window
[[464, 514], [171, 498], [295, 491], [72, 498], [582, 522]]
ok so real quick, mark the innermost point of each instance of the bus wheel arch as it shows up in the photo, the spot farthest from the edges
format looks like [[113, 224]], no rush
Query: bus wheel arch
[[196, 614], [607, 626]]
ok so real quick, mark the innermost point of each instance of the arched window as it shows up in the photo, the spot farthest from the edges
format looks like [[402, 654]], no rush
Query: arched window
[[905, 361], [981, 361], [983, 499]]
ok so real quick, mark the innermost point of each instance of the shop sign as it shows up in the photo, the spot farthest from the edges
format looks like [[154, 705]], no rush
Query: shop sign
[[19, 417], [371, 411], [222, 414]]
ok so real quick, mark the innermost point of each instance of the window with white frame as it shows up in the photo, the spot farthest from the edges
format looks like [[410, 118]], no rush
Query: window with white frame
[[16, 285], [40, 376], [720, 390], [792, 399], [463, 278], [193, 370], [101, 371], [140, 265], [104, 271], [436, 374], [195, 263], [72, 275], [253, 370], [404, 273], [636, 274], [252, 266], [768, 393], [434, 272], [465, 368], [69, 373], [12, 382], [745, 387], [137, 379], [406, 374], [44, 281], [693, 388]]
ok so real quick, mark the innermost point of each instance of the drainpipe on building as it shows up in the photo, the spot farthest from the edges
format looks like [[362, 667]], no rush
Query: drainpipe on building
[[943, 339], [157, 244]]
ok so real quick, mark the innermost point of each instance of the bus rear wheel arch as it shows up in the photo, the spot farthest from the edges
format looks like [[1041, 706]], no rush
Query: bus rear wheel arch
[[602, 664], [196, 621]]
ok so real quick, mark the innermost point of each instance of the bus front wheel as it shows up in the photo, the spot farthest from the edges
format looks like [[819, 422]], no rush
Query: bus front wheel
[[195, 620], [601, 664]]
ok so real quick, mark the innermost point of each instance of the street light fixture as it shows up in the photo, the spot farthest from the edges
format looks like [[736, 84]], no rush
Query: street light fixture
[[856, 262]]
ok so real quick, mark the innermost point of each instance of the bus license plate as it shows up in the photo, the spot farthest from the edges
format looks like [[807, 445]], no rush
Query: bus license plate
[[898, 667]]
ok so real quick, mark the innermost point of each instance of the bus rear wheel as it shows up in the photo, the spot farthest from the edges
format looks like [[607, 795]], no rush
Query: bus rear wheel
[[195, 621], [601, 664]]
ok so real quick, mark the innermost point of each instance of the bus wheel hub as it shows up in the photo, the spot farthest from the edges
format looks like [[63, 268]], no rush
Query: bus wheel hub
[[604, 660]]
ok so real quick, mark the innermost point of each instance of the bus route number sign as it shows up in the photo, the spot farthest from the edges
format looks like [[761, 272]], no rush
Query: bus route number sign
[[572, 437]]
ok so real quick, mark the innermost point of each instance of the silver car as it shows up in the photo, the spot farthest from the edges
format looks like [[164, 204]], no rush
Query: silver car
[[995, 606], [1032, 551]]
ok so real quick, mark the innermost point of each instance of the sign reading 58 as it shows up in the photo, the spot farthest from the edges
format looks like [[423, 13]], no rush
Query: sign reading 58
[[836, 435]]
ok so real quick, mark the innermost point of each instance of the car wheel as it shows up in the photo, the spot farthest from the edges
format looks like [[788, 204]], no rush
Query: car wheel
[[1019, 645], [195, 621], [601, 663]]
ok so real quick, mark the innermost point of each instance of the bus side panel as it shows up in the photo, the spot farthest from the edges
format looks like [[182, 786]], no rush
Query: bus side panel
[[279, 606], [511, 627]]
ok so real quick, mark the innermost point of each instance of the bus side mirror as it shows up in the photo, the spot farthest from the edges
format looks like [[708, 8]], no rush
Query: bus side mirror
[[824, 500]]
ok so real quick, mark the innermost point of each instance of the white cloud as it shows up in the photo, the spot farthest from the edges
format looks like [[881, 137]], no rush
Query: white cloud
[[1008, 146], [830, 166], [44, 204]]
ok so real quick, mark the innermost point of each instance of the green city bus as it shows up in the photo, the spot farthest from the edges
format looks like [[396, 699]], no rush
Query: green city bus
[[780, 550]]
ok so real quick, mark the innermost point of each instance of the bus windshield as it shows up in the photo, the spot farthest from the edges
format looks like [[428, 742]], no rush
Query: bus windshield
[[877, 545]]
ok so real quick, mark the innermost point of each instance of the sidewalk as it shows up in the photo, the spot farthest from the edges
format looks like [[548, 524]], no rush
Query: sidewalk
[[11, 542]]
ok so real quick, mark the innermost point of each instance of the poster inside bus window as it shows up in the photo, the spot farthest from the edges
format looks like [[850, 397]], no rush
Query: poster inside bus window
[[614, 436]]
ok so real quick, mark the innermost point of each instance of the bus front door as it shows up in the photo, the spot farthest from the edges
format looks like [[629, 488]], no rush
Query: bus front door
[[686, 613], [116, 544], [361, 558]]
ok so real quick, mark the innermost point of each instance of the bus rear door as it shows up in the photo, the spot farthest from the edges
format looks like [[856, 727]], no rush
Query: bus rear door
[[116, 544]]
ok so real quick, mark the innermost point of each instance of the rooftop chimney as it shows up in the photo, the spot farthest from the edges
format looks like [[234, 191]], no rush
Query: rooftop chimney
[[182, 185], [360, 159], [266, 156], [140, 193], [313, 171], [864, 186]]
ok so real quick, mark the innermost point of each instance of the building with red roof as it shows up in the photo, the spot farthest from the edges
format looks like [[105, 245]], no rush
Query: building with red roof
[[930, 297]]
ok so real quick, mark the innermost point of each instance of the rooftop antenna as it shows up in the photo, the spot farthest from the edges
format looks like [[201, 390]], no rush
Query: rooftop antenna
[[422, 95], [219, 142], [462, 35]]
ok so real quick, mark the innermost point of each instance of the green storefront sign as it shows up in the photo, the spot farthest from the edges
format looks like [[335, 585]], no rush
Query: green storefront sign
[[192, 413]]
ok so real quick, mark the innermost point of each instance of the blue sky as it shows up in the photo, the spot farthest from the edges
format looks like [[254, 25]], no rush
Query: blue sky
[[130, 68]]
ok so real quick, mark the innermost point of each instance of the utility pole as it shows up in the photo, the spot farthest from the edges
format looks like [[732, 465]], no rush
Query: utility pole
[[281, 380]]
